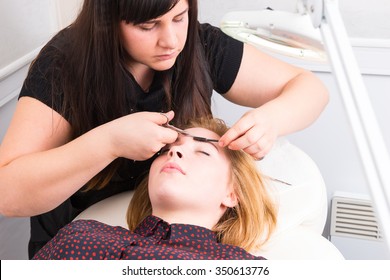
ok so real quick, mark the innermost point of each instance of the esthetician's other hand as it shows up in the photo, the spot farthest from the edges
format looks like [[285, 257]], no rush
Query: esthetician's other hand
[[253, 133]]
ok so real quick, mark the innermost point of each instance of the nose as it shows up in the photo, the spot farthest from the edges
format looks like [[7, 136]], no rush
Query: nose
[[175, 152], [168, 38]]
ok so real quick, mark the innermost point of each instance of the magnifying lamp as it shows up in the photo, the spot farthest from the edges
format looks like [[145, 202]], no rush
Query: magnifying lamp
[[272, 30], [316, 32]]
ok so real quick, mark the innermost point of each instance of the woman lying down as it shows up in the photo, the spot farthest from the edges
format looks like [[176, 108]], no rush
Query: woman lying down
[[199, 201]]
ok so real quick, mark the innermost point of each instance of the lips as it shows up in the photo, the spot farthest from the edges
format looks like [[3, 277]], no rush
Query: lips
[[166, 56], [172, 167]]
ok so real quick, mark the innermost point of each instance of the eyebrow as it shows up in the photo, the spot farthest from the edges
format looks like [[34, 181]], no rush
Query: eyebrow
[[182, 13], [196, 139], [205, 141]]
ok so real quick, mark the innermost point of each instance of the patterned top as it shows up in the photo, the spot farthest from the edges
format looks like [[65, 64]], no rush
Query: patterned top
[[153, 239]]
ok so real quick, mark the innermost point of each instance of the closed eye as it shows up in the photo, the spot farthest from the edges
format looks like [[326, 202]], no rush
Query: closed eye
[[205, 153], [178, 19], [147, 26]]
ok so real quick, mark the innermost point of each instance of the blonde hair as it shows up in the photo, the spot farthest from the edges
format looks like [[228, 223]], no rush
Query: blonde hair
[[248, 224]]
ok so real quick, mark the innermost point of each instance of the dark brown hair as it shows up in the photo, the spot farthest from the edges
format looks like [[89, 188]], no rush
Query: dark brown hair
[[93, 72]]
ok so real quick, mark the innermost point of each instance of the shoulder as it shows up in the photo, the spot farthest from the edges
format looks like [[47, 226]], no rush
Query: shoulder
[[56, 46], [51, 57], [206, 29], [224, 55], [217, 43], [46, 70], [85, 239], [92, 227], [212, 34]]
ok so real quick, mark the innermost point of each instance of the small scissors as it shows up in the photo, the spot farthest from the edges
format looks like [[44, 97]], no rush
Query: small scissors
[[185, 133], [276, 180]]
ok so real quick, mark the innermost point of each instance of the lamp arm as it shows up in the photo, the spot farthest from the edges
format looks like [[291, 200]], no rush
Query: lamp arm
[[315, 8], [370, 142]]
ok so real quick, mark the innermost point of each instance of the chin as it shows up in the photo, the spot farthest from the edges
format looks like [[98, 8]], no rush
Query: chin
[[166, 192], [164, 65]]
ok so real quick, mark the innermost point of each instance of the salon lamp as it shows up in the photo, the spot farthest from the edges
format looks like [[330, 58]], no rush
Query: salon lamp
[[316, 32]]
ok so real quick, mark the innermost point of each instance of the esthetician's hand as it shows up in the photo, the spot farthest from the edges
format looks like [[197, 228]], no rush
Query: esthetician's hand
[[252, 133], [140, 135]]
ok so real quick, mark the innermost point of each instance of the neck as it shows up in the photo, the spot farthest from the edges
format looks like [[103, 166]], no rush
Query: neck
[[143, 75], [187, 217]]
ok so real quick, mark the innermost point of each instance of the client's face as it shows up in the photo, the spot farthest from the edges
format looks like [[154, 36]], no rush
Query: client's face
[[191, 178]]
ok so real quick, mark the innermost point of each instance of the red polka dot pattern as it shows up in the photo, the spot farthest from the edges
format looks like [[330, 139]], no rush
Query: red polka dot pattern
[[153, 239]]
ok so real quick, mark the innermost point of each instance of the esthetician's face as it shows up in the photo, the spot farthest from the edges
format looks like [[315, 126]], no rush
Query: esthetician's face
[[191, 175], [156, 43]]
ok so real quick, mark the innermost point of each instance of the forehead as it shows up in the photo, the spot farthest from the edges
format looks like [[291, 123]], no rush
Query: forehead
[[203, 132]]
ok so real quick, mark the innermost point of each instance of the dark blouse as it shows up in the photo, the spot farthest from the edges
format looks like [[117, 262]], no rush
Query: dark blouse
[[153, 239]]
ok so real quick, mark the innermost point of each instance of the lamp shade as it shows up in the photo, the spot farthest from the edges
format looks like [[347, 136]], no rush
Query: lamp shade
[[290, 34]]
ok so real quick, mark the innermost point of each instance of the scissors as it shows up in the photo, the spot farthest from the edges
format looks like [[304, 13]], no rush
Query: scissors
[[276, 180], [185, 133]]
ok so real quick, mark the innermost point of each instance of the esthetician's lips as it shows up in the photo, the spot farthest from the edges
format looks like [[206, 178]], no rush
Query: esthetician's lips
[[166, 56], [172, 167]]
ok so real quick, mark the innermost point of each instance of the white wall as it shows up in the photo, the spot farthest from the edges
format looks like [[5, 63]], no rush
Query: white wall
[[363, 19], [25, 25], [366, 19], [24, 29]]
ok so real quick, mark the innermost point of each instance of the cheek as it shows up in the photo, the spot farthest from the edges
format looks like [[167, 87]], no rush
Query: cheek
[[132, 48], [131, 40], [183, 38], [214, 175], [153, 172]]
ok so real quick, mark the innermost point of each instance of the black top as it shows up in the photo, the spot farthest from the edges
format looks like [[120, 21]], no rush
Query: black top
[[153, 239], [223, 55]]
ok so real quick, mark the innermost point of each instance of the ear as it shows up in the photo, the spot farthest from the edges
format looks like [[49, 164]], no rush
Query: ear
[[231, 199]]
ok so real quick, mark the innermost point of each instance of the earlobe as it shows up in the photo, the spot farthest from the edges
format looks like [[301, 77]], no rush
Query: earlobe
[[231, 199]]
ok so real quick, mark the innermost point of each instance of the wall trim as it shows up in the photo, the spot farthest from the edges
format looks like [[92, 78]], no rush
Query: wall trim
[[8, 98], [16, 65], [372, 55], [370, 42]]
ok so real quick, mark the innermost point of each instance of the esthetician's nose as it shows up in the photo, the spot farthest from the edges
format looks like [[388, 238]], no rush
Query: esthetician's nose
[[168, 38], [175, 151]]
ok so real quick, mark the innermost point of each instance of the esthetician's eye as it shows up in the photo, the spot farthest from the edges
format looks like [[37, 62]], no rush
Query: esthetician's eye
[[147, 26], [179, 19]]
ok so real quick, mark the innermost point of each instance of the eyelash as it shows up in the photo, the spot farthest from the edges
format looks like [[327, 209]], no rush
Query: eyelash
[[179, 19], [151, 28], [146, 28], [165, 150]]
